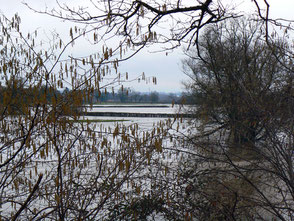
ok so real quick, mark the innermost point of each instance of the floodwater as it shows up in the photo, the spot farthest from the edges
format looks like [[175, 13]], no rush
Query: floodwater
[[154, 109]]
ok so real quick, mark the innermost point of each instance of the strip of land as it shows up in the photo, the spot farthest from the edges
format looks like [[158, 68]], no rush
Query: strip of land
[[150, 115], [98, 120]]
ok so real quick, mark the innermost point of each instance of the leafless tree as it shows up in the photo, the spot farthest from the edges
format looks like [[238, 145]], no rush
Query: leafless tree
[[53, 165], [241, 163]]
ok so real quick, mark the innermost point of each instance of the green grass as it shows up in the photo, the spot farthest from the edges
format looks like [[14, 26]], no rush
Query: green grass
[[98, 121]]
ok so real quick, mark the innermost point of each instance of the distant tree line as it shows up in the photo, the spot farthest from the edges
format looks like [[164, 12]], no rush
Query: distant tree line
[[16, 93], [131, 96], [19, 93]]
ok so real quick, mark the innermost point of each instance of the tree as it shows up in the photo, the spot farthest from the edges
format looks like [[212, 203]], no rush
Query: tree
[[52, 165], [123, 96], [154, 97], [243, 81], [138, 24], [238, 75]]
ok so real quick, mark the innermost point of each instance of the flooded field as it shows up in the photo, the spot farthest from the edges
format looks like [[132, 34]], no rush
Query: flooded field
[[162, 109], [99, 160]]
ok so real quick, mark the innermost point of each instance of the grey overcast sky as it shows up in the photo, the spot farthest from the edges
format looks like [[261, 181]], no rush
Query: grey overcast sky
[[167, 69]]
